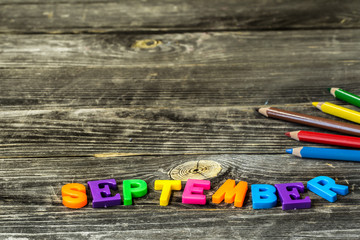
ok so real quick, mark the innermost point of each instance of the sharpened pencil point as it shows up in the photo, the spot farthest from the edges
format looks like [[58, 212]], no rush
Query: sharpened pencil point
[[333, 90], [315, 104], [287, 134], [290, 151], [329, 89], [263, 111]]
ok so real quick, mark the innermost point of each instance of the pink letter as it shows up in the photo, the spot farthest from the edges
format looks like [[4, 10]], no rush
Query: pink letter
[[193, 192]]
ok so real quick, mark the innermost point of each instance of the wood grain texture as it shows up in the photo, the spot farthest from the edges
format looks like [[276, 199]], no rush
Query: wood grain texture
[[95, 89], [87, 132], [246, 50], [133, 16], [39, 201], [80, 95]]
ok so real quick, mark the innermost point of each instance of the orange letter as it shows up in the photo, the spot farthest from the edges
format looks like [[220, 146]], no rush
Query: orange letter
[[231, 193], [74, 195], [166, 186]]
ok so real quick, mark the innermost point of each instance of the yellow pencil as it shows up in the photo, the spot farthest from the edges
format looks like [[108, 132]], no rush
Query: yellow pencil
[[338, 111]]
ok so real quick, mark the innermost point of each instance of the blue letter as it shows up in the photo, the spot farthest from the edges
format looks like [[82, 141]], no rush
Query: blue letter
[[263, 196], [326, 188]]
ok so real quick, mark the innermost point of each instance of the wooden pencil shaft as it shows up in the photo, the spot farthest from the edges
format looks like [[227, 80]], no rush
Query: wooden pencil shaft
[[325, 138], [309, 120], [346, 96], [339, 111], [330, 153]]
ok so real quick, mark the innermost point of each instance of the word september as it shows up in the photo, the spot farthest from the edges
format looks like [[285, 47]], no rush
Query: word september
[[263, 195]]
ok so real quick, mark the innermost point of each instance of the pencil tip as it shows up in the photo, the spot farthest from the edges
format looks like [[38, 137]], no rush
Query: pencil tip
[[287, 134], [263, 111], [315, 104], [289, 150], [329, 89], [333, 90]]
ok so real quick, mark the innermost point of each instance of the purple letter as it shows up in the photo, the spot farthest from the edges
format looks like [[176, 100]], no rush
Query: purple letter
[[101, 194], [290, 197]]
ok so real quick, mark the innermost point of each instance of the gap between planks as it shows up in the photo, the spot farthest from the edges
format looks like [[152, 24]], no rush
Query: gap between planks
[[113, 154]]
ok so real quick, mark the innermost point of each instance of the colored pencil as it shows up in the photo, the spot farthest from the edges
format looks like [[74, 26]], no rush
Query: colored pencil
[[338, 111], [325, 153], [347, 128], [345, 96], [325, 138]]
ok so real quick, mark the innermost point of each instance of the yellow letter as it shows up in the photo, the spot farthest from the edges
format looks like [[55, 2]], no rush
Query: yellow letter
[[166, 186]]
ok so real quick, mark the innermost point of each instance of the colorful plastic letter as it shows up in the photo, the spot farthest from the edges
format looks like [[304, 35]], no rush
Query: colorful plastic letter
[[166, 186], [74, 195], [231, 193], [133, 188], [193, 192], [326, 188], [101, 194], [290, 196], [263, 196]]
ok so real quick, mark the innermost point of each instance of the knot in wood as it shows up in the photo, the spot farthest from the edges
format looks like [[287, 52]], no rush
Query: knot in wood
[[202, 169], [146, 43]]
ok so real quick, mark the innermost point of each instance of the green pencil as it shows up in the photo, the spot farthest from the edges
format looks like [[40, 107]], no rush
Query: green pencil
[[345, 96]]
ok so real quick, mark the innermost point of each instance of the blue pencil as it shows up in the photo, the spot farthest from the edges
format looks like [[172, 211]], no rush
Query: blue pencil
[[325, 153]]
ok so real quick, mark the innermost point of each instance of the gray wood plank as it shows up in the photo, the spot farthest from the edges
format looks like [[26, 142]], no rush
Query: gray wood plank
[[133, 16], [245, 50], [30, 196], [150, 131]]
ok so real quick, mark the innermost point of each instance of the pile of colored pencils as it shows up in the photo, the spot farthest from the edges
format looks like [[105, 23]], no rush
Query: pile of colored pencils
[[324, 138]]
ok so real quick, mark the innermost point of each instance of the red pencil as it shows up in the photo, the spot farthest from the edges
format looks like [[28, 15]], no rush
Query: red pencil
[[331, 139]]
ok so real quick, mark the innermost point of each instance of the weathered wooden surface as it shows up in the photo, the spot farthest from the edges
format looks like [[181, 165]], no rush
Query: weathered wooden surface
[[31, 201], [134, 104], [79, 95], [67, 16]]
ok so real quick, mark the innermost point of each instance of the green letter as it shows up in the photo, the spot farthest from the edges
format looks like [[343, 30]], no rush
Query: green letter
[[133, 188]]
